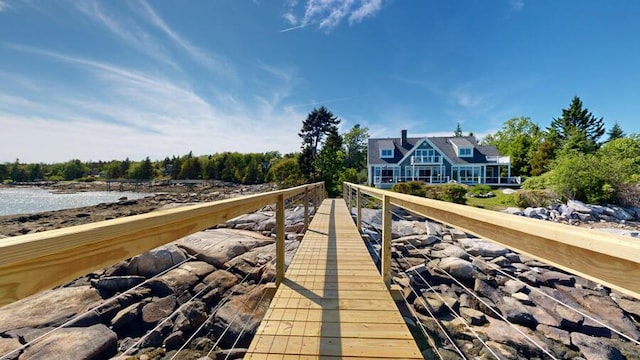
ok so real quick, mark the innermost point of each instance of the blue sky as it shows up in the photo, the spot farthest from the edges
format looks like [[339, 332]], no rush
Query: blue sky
[[103, 80]]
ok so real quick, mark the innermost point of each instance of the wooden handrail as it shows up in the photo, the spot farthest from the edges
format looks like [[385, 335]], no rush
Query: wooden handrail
[[39, 261], [610, 259]]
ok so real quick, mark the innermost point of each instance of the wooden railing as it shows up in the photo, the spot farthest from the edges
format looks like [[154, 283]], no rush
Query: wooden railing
[[35, 262], [609, 259]]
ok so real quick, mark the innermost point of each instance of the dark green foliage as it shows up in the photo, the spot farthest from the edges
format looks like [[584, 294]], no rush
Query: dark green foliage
[[575, 120], [329, 163], [416, 188], [455, 193], [615, 132], [458, 131], [74, 169], [535, 198], [286, 173], [318, 125]]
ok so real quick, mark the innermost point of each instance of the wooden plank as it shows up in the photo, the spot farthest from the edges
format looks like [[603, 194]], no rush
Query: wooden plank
[[332, 302], [609, 259], [363, 347], [39, 261], [335, 329]]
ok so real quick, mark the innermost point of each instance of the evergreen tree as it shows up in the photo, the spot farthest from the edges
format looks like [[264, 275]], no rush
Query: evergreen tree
[[330, 163], [615, 132], [576, 120], [319, 124], [458, 131]]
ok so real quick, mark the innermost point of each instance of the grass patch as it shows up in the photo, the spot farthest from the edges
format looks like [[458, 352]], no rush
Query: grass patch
[[499, 202]]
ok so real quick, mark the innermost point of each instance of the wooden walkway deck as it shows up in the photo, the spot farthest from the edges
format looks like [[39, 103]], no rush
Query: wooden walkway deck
[[332, 302]]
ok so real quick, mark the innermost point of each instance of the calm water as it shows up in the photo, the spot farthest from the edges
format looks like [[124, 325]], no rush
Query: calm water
[[33, 200]]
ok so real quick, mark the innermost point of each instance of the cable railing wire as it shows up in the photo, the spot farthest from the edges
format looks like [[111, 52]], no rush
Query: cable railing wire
[[533, 288], [472, 293]]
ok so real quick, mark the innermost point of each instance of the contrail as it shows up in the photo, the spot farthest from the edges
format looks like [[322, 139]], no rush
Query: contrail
[[294, 28]]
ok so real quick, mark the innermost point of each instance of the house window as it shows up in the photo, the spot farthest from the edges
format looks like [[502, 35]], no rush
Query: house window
[[386, 153], [465, 152]]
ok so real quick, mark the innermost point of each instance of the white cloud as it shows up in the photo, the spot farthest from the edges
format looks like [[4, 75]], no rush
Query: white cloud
[[328, 14], [129, 113], [3, 5]]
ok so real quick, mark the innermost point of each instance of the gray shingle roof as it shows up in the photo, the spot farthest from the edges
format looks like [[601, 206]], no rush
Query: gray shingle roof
[[443, 144]]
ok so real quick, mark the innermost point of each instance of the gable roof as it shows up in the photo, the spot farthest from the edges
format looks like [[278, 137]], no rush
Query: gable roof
[[443, 144]]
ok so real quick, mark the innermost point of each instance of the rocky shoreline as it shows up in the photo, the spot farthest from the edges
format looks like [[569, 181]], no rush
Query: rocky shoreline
[[205, 291]]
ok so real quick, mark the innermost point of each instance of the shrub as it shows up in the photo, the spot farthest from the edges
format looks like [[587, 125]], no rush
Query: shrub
[[479, 189], [535, 198], [538, 182], [416, 188], [629, 195], [454, 193]]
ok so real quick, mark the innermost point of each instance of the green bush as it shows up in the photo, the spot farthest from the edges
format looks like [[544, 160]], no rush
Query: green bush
[[535, 198], [454, 193], [479, 189], [541, 182], [416, 188]]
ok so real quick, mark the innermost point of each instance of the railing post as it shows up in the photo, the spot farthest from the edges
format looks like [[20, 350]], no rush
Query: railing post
[[349, 198], [386, 241], [358, 211], [306, 209], [280, 239]]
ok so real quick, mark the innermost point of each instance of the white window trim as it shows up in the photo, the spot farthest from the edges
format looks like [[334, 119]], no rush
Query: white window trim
[[460, 152], [382, 156]]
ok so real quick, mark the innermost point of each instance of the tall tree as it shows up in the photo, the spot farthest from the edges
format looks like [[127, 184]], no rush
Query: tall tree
[[615, 132], [355, 143], [458, 131], [576, 120], [319, 124], [330, 162], [519, 138]]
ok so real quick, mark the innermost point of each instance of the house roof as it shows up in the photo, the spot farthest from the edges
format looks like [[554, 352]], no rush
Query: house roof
[[443, 144]]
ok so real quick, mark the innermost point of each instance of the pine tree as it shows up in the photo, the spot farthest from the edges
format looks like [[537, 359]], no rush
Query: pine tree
[[615, 132], [575, 120], [319, 124], [458, 131]]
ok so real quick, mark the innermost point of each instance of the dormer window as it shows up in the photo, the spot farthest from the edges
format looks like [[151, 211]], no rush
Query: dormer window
[[465, 152], [386, 153]]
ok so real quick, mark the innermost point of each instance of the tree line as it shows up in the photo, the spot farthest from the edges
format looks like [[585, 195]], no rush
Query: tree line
[[575, 156], [326, 155]]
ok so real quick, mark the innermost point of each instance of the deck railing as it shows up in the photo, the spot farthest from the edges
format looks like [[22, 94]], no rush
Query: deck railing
[[39, 261], [609, 259]]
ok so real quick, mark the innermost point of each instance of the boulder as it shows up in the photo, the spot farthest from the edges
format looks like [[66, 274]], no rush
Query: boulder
[[458, 268], [556, 277], [221, 279], [94, 342], [473, 317], [618, 213], [593, 348], [515, 312], [178, 280], [554, 333], [9, 344], [51, 307], [218, 246], [477, 247], [242, 315], [417, 240], [127, 315], [198, 268], [156, 261], [579, 206], [117, 283], [158, 310], [513, 211]]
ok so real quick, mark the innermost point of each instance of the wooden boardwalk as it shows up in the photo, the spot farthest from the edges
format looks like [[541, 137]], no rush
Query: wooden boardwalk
[[332, 302]]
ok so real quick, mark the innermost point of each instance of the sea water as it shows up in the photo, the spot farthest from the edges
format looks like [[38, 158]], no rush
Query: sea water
[[34, 200]]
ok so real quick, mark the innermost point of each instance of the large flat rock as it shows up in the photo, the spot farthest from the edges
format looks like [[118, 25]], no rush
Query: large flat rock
[[51, 307], [221, 245]]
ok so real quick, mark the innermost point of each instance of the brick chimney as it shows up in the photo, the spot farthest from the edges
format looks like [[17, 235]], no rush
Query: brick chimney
[[403, 137]]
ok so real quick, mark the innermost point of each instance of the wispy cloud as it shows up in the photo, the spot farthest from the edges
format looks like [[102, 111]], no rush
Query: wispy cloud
[[3, 5], [516, 5], [328, 14], [213, 62], [131, 113], [127, 30]]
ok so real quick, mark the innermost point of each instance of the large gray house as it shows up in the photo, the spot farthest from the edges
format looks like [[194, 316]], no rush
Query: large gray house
[[435, 160]]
